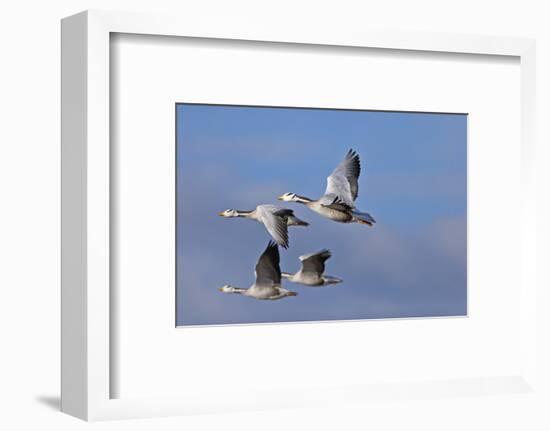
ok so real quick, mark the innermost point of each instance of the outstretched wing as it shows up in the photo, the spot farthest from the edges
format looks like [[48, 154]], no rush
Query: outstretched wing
[[315, 262], [343, 182], [268, 271], [275, 221]]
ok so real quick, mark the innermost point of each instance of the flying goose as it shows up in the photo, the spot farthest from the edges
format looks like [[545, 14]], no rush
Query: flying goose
[[338, 202], [268, 278], [275, 219], [312, 271]]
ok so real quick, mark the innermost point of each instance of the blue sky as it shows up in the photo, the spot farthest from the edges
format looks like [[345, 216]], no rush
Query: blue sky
[[412, 263]]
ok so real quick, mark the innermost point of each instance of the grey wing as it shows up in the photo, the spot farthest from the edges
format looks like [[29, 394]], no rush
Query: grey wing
[[283, 212], [343, 180], [268, 271], [315, 262], [275, 221]]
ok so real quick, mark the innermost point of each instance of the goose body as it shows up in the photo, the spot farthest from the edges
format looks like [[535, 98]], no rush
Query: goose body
[[312, 271], [268, 278], [275, 219], [338, 202], [325, 209]]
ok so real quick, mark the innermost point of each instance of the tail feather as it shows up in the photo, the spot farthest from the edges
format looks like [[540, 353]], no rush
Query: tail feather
[[328, 279], [364, 218], [292, 220]]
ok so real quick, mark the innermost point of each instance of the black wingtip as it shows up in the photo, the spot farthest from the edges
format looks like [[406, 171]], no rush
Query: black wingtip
[[273, 245], [325, 253], [354, 155]]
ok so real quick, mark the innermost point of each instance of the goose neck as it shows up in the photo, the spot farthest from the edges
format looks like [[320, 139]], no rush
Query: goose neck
[[287, 275], [302, 199], [243, 213], [238, 290]]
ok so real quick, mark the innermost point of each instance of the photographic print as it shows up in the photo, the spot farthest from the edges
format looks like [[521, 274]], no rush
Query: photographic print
[[304, 214]]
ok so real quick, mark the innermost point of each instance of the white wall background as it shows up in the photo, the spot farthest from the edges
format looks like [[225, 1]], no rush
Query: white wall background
[[30, 199]]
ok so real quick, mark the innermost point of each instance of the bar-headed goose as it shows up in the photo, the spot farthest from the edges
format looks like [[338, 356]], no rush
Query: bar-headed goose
[[275, 219], [338, 202], [312, 271], [268, 278]]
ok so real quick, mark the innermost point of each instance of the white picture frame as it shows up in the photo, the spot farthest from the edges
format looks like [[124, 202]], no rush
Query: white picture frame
[[86, 311]]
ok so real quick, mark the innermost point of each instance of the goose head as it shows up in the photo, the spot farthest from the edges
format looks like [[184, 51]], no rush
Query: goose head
[[227, 289], [229, 213], [289, 197]]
